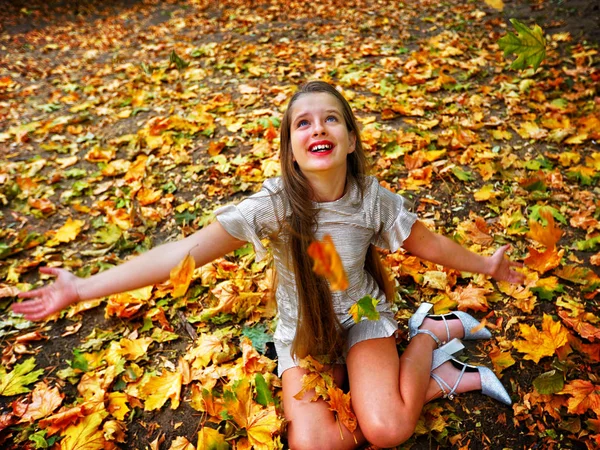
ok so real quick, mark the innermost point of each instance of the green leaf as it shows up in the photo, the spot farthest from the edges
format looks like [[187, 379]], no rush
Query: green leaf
[[366, 307], [549, 382], [529, 45], [546, 294], [588, 245], [258, 336], [263, 393], [79, 361], [462, 175], [178, 61], [535, 214], [15, 382], [39, 439]]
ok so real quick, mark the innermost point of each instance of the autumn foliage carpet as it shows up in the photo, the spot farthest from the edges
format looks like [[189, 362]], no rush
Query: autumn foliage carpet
[[125, 124]]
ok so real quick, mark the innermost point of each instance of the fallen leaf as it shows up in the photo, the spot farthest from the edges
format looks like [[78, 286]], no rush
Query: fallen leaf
[[538, 344], [181, 276]]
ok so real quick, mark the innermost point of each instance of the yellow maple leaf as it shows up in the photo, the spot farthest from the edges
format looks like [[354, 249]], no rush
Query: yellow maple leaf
[[86, 435], [181, 276], [211, 439], [207, 345], [538, 344], [181, 443], [328, 263], [501, 360], [134, 349], [584, 396], [158, 389], [261, 428], [117, 404], [69, 231]]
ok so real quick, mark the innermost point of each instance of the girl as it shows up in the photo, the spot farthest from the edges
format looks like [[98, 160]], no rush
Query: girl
[[324, 190]]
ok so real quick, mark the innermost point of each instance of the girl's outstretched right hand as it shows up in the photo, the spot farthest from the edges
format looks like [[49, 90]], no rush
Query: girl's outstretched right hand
[[47, 300]]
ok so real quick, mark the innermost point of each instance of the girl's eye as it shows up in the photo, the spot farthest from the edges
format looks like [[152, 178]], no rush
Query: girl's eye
[[331, 119], [302, 123]]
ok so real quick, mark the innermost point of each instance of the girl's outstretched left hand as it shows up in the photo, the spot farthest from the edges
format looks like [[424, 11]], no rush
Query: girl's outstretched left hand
[[501, 268]]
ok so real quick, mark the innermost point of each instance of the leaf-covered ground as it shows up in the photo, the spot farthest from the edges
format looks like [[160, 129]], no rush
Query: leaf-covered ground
[[125, 124]]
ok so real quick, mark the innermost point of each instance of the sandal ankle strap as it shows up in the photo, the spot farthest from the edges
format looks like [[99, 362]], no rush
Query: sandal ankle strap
[[430, 333]]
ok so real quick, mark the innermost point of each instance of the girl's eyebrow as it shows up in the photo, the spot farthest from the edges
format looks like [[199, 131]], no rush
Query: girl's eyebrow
[[306, 113]]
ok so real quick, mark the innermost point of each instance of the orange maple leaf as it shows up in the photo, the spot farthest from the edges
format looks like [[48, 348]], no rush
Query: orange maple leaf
[[62, 419], [470, 297], [341, 404], [543, 262], [585, 329], [501, 360], [181, 275], [538, 344], [328, 263], [44, 401], [547, 235], [584, 396]]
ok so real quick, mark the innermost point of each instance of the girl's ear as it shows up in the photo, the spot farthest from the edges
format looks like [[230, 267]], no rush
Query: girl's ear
[[352, 137]]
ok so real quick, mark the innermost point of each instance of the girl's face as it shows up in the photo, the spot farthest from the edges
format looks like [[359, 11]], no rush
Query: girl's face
[[319, 136]]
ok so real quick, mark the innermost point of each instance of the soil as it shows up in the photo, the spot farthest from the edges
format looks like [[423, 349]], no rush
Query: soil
[[490, 426]]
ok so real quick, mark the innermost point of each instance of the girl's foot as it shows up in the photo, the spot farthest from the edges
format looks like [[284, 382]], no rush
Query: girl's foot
[[470, 381], [445, 327]]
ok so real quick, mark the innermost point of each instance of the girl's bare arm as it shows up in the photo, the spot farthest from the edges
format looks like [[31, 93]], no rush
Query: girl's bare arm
[[441, 250], [148, 268]]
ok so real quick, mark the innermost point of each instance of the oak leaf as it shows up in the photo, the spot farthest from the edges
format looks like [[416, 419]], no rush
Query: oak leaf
[[584, 396], [328, 263], [181, 276], [538, 344]]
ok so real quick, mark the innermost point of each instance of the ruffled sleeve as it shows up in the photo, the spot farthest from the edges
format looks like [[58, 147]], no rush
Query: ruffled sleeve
[[255, 218], [393, 218]]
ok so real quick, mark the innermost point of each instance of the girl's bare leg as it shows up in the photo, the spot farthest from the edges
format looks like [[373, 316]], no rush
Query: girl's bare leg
[[311, 424], [388, 393]]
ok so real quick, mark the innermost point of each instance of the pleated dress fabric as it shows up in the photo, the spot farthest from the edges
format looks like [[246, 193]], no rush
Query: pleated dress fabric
[[378, 217]]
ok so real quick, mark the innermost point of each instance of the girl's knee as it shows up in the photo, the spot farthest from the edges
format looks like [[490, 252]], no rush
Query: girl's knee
[[307, 440], [388, 432]]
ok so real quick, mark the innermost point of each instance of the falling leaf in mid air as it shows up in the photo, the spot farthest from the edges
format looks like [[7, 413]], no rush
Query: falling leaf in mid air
[[366, 307], [496, 4], [327, 263], [528, 44], [181, 276]]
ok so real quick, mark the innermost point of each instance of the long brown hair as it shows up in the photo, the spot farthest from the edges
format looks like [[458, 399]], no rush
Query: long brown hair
[[319, 331]]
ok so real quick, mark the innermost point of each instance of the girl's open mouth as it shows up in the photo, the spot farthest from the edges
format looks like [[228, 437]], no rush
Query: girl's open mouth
[[320, 148]]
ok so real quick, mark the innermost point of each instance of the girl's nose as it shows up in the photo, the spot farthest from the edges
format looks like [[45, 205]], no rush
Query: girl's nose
[[319, 129]]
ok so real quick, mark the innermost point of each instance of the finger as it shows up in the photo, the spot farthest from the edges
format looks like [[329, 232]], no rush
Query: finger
[[36, 316], [517, 264], [28, 306], [33, 293], [50, 270]]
